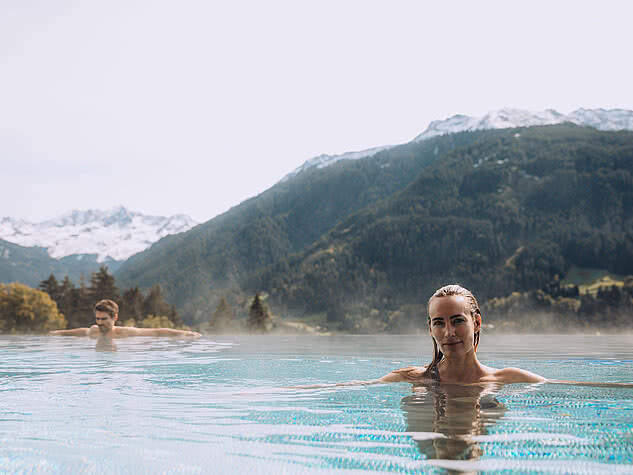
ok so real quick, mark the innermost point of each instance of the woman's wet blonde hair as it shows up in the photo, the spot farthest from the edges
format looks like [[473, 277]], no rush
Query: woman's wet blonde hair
[[448, 291]]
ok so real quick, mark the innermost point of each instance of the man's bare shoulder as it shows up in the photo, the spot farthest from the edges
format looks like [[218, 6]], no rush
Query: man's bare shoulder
[[408, 374]]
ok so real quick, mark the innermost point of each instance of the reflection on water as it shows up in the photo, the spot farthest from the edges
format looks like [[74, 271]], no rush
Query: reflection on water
[[454, 414], [105, 343]]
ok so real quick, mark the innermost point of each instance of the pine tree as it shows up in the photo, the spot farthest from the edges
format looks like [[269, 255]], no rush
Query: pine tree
[[131, 305], [102, 285], [222, 317], [66, 298], [82, 302], [154, 304], [51, 287], [174, 317], [258, 316]]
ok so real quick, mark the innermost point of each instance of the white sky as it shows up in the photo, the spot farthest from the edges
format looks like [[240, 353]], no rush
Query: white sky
[[192, 106]]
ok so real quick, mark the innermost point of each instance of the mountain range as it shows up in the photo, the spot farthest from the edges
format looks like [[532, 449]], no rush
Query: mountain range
[[114, 234], [118, 233], [506, 118], [78, 242], [512, 211], [383, 230], [313, 241]]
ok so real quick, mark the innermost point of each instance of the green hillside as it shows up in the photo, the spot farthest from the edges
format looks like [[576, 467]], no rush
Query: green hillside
[[198, 267], [511, 212], [30, 265], [500, 211]]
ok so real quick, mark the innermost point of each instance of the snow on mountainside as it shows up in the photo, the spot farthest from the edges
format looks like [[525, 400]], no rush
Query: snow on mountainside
[[601, 119], [116, 234], [324, 160], [614, 119]]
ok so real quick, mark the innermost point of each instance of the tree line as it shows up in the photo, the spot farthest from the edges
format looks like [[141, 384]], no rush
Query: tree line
[[608, 306], [59, 305], [76, 302], [256, 319]]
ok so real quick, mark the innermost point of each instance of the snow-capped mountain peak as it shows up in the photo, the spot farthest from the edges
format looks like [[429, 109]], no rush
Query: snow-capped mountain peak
[[601, 119], [323, 160], [115, 234]]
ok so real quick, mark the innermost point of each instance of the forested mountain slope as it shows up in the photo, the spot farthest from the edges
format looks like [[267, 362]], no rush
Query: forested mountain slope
[[499, 211], [30, 265], [511, 211], [204, 262]]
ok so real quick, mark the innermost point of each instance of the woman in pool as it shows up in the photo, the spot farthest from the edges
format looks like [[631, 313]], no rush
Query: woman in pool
[[455, 327]]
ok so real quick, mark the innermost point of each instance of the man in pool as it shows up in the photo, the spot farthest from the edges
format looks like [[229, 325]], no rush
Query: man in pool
[[106, 315]]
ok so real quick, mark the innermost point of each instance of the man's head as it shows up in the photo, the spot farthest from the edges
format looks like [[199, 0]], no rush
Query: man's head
[[106, 315]]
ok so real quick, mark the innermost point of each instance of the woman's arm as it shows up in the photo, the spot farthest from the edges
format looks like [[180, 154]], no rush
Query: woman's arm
[[338, 385], [517, 375], [410, 374], [589, 383]]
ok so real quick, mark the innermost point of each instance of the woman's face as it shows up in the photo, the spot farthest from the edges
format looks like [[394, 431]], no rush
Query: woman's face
[[452, 326]]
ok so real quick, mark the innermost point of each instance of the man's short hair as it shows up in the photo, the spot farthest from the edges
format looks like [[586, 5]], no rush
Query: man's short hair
[[108, 306]]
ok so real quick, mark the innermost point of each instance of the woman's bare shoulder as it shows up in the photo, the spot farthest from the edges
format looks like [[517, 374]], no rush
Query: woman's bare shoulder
[[518, 375], [515, 375], [409, 374]]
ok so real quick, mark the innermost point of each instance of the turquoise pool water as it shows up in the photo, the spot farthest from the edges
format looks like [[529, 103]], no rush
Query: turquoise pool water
[[221, 405]]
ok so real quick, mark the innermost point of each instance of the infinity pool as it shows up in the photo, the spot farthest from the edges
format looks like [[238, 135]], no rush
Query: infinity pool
[[222, 405]]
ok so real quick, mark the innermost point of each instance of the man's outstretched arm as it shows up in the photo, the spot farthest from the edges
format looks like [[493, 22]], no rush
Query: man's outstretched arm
[[71, 332], [132, 331]]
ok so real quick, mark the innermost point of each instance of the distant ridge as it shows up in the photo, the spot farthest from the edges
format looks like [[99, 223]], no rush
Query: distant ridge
[[113, 234], [506, 118], [601, 119], [324, 160]]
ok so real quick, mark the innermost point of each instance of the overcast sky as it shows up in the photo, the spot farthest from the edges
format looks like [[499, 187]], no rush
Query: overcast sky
[[193, 106]]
